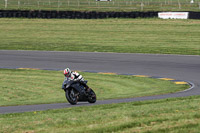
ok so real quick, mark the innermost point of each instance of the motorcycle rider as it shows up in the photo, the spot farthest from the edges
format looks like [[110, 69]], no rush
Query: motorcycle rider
[[76, 77]]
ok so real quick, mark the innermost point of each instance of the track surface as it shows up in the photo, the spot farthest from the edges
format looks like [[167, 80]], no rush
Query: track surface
[[185, 68]]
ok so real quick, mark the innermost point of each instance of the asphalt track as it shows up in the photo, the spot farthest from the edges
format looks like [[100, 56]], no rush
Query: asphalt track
[[181, 67]]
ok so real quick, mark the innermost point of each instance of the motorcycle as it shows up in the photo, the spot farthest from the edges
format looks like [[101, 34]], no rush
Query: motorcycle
[[76, 92]]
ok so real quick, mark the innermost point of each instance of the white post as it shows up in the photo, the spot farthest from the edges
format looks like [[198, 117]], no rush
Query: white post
[[38, 4], [6, 3], [78, 3], [142, 6], [18, 4], [192, 1], [199, 5], [179, 4]]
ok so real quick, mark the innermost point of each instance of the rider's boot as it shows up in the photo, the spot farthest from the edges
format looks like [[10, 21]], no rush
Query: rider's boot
[[87, 90]]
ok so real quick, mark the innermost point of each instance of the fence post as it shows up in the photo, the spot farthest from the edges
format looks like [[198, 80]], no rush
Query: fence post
[[199, 5], [18, 4], [6, 3], [142, 6], [58, 5], [179, 4], [38, 4]]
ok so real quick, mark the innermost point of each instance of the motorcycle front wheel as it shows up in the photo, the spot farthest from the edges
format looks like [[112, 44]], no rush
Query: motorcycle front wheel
[[71, 96], [92, 97]]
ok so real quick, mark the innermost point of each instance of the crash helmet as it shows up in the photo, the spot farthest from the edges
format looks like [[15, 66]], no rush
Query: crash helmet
[[67, 72]]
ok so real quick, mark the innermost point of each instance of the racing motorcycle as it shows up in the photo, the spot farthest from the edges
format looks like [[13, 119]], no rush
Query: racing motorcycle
[[75, 91]]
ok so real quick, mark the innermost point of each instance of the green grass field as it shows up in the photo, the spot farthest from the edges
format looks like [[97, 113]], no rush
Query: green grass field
[[180, 115], [93, 5], [19, 87], [102, 35]]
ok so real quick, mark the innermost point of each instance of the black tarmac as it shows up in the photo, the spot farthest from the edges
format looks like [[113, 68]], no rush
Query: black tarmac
[[180, 67]]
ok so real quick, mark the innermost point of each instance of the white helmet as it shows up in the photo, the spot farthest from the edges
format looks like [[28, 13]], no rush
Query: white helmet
[[67, 72]]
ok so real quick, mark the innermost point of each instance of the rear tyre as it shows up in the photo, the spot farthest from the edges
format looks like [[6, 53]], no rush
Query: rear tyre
[[92, 97], [71, 96]]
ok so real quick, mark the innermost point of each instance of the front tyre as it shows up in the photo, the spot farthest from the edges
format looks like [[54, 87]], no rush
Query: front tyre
[[71, 96], [92, 97]]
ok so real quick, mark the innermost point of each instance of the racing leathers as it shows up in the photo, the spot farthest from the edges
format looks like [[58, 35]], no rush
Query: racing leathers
[[77, 77]]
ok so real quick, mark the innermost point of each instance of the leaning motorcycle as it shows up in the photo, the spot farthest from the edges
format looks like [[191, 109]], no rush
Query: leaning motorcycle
[[76, 92]]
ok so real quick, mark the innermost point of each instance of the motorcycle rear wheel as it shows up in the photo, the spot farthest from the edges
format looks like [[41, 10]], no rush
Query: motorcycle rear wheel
[[71, 96]]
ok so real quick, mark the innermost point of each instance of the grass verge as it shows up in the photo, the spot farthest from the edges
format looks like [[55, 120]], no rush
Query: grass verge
[[19, 87], [102, 35], [158, 116]]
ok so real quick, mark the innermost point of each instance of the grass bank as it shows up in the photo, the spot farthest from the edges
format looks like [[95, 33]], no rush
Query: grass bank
[[19, 87], [105, 35], [158, 116]]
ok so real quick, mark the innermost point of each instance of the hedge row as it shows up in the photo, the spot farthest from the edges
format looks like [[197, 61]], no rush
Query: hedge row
[[74, 14], [194, 15], [81, 15]]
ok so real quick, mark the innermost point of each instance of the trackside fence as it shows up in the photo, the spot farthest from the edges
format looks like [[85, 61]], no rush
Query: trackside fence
[[95, 5]]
